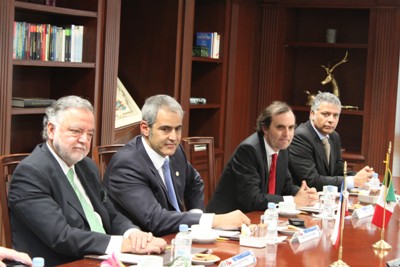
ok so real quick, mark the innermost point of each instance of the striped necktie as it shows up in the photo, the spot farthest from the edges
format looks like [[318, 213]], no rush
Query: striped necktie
[[170, 185], [327, 148], [93, 220]]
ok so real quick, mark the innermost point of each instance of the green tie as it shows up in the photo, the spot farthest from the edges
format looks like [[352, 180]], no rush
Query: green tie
[[93, 220]]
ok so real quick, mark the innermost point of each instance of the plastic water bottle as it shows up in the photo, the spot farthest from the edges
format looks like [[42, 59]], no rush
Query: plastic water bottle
[[271, 220], [37, 262], [374, 184], [183, 247], [328, 208]]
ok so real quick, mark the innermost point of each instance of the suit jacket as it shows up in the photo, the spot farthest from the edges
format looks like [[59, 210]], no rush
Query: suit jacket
[[138, 191], [47, 219], [308, 161], [244, 181]]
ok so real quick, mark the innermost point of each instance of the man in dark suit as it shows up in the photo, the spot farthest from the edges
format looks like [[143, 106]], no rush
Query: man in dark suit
[[245, 181], [308, 158], [155, 198], [58, 208]]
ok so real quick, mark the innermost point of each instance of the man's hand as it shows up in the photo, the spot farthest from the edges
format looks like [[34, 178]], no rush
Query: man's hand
[[363, 176], [143, 243], [11, 254], [306, 196], [233, 219]]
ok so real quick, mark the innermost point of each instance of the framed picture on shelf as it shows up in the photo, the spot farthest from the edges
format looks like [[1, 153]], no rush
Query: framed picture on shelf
[[126, 110]]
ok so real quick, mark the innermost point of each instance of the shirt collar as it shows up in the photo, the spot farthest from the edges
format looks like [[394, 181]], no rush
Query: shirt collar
[[156, 158], [321, 136], [268, 149]]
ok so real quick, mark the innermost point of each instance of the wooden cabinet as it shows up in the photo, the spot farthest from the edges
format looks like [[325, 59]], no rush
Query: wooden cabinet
[[306, 51], [22, 127], [155, 57], [294, 38], [208, 79]]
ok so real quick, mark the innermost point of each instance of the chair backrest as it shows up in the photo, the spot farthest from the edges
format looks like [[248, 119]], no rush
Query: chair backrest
[[102, 155], [7, 167], [200, 153]]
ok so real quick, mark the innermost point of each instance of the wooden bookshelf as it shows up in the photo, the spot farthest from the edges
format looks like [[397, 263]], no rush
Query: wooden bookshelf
[[165, 64], [47, 79], [294, 35]]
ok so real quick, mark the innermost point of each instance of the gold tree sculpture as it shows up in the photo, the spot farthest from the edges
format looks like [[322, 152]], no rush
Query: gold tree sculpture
[[330, 78]]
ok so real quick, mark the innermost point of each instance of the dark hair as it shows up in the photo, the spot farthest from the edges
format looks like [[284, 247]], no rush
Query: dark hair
[[265, 118]]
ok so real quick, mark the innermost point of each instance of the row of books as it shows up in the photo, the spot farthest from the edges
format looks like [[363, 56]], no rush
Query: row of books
[[47, 42], [209, 41]]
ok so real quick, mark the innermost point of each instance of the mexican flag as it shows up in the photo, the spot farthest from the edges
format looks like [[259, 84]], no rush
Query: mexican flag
[[386, 202]]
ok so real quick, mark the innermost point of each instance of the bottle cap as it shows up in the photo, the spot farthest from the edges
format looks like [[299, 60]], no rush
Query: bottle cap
[[37, 262], [374, 175], [183, 227], [271, 205]]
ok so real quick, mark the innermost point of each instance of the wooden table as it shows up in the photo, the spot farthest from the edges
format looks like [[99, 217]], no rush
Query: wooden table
[[358, 237]]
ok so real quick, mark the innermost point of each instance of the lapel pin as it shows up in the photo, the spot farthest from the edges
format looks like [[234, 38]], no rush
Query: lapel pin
[[177, 173]]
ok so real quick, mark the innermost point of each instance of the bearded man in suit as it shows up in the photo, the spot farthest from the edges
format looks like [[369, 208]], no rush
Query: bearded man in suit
[[58, 207]]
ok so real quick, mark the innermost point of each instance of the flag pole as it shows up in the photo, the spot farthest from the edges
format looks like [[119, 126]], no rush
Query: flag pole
[[339, 262], [382, 244]]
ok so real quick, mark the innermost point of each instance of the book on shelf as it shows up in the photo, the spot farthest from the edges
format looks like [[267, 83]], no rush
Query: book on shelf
[[215, 44], [209, 40], [205, 39], [26, 102]]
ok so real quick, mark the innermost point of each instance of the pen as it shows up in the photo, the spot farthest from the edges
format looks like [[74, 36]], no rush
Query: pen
[[222, 239]]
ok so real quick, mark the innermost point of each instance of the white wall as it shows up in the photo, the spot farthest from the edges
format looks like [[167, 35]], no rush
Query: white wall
[[396, 145]]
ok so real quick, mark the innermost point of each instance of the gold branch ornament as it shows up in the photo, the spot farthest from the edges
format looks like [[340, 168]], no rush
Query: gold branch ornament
[[330, 78]]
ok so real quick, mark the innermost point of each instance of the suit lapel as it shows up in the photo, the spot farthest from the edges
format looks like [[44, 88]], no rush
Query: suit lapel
[[319, 147], [331, 155], [155, 173], [262, 152], [176, 180], [89, 185]]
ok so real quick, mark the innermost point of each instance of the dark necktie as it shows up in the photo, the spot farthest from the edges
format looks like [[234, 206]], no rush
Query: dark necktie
[[90, 214], [170, 185], [327, 148], [272, 175]]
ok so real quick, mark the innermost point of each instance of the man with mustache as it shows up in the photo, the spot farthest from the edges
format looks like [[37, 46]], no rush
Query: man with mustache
[[58, 207], [246, 182], [137, 175], [308, 158]]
